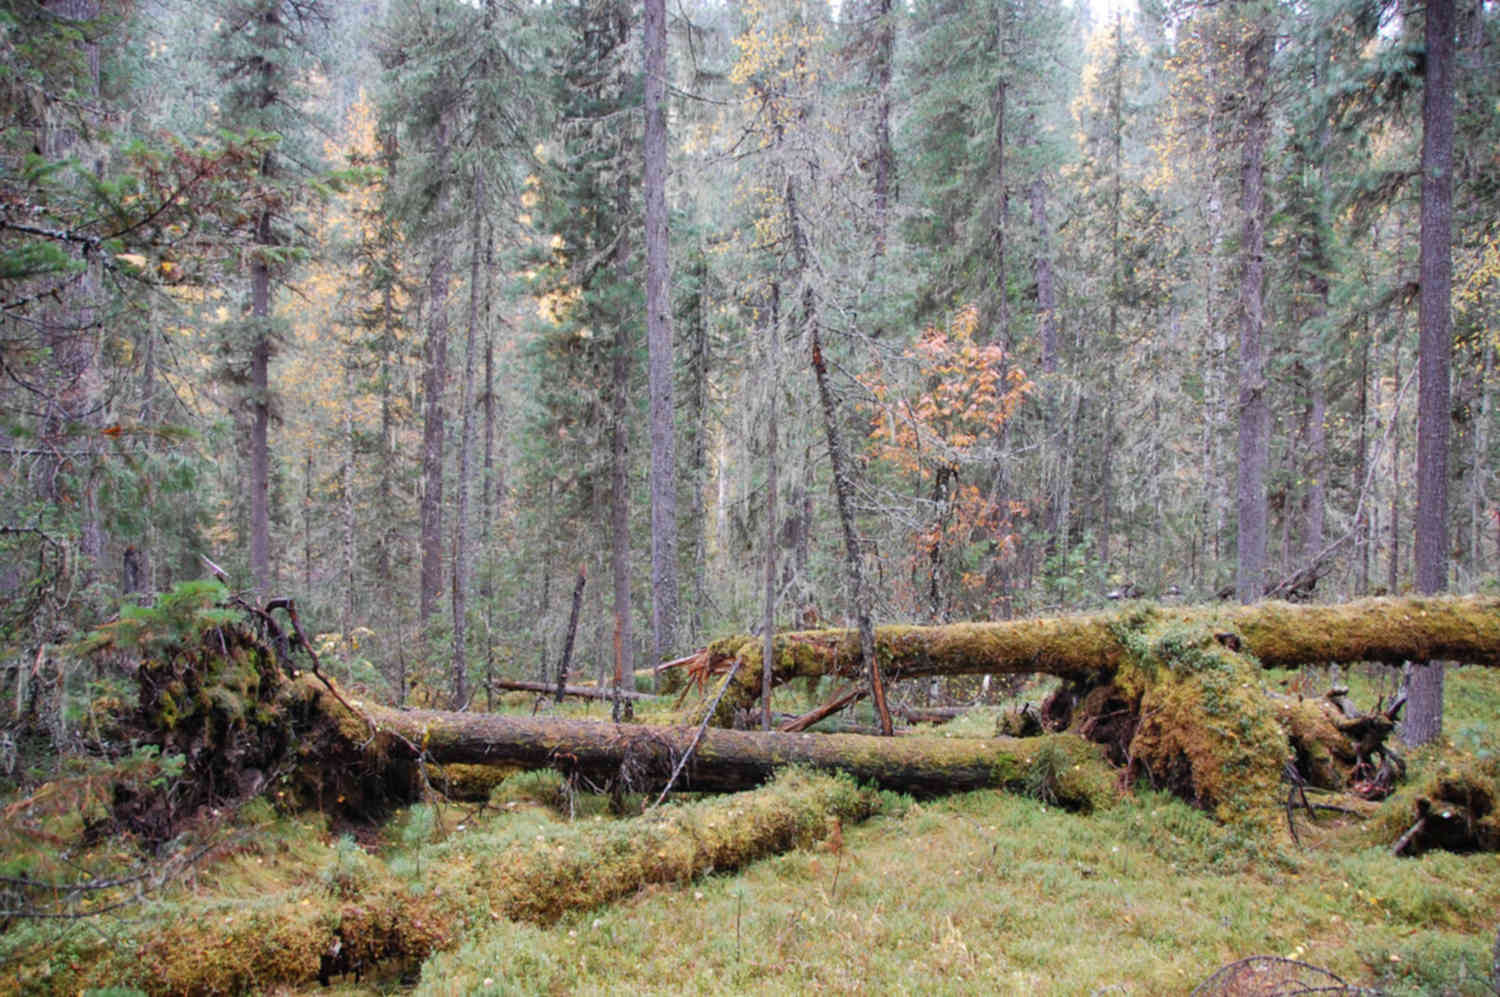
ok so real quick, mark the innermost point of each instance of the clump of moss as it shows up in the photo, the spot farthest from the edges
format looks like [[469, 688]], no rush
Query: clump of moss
[[1459, 802], [1066, 771], [1206, 729]]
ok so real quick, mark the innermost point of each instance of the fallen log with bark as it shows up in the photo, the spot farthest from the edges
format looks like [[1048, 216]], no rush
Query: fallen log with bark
[[579, 691], [643, 756]]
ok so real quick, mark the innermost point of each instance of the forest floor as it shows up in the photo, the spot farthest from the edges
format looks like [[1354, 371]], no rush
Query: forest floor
[[983, 892]]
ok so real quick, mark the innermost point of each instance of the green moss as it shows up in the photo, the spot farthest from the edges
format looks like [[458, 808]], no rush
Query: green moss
[[1207, 730]]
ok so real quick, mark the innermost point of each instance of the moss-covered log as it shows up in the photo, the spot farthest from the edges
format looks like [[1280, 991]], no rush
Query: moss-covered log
[[365, 917], [723, 760], [1089, 649]]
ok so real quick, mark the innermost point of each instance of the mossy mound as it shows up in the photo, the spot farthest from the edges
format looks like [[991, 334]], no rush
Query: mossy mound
[[1456, 808], [1206, 729]]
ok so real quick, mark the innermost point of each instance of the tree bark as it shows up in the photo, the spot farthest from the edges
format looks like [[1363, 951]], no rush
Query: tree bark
[[434, 384], [1424, 718], [619, 459], [1254, 413], [659, 340], [459, 672], [581, 691], [768, 611], [723, 760], [567, 657]]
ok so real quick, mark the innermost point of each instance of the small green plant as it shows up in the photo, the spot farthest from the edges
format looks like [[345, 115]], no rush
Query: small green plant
[[346, 876], [179, 617], [1044, 777]]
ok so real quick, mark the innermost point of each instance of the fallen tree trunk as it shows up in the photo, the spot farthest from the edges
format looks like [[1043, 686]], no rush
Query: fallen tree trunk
[[1089, 649], [581, 691], [374, 917], [724, 760], [1172, 696]]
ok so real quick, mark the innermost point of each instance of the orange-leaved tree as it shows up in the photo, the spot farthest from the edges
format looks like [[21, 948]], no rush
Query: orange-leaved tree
[[936, 430]]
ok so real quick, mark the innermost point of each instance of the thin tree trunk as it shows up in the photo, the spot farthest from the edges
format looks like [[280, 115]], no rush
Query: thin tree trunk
[[885, 37], [1424, 716], [843, 484], [843, 488], [619, 475], [999, 317], [659, 340], [434, 384], [1362, 464], [350, 458], [487, 488], [567, 655], [260, 407], [460, 665], [1254, 413], [768, 613], [1046, 293], [1393, 578]]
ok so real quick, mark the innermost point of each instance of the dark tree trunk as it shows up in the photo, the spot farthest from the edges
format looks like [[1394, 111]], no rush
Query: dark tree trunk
[[1424, 718], [843, 488], [567, 656], [1254, 412], [999, 318], [659, 340]]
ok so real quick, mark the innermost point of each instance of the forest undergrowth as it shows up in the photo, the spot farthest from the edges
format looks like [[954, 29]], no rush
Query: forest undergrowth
[[805, 886]]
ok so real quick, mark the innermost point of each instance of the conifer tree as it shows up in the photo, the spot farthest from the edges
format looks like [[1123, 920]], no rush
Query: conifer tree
[[266, 48]]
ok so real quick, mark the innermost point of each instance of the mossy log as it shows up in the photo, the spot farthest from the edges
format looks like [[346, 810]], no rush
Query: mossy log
[[643, 756], [1088, 649], [369, 918]]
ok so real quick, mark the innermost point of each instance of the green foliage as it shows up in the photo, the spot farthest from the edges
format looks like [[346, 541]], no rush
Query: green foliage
[[177, 620]]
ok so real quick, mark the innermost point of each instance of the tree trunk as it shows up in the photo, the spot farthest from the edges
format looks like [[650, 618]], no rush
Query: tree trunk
[[885, 39], [619, 458], [434, 384], [843, 485], [567, 657], [1089, 649], [659, 340], [460, 665], [999, 318], [581, 691], [1254, 413], [1046, 294], [1424, 719], [260, 408], [768, 611], [729, 760]]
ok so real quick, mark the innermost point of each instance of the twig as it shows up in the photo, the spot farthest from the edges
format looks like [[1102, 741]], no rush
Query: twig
[[707, 716]]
